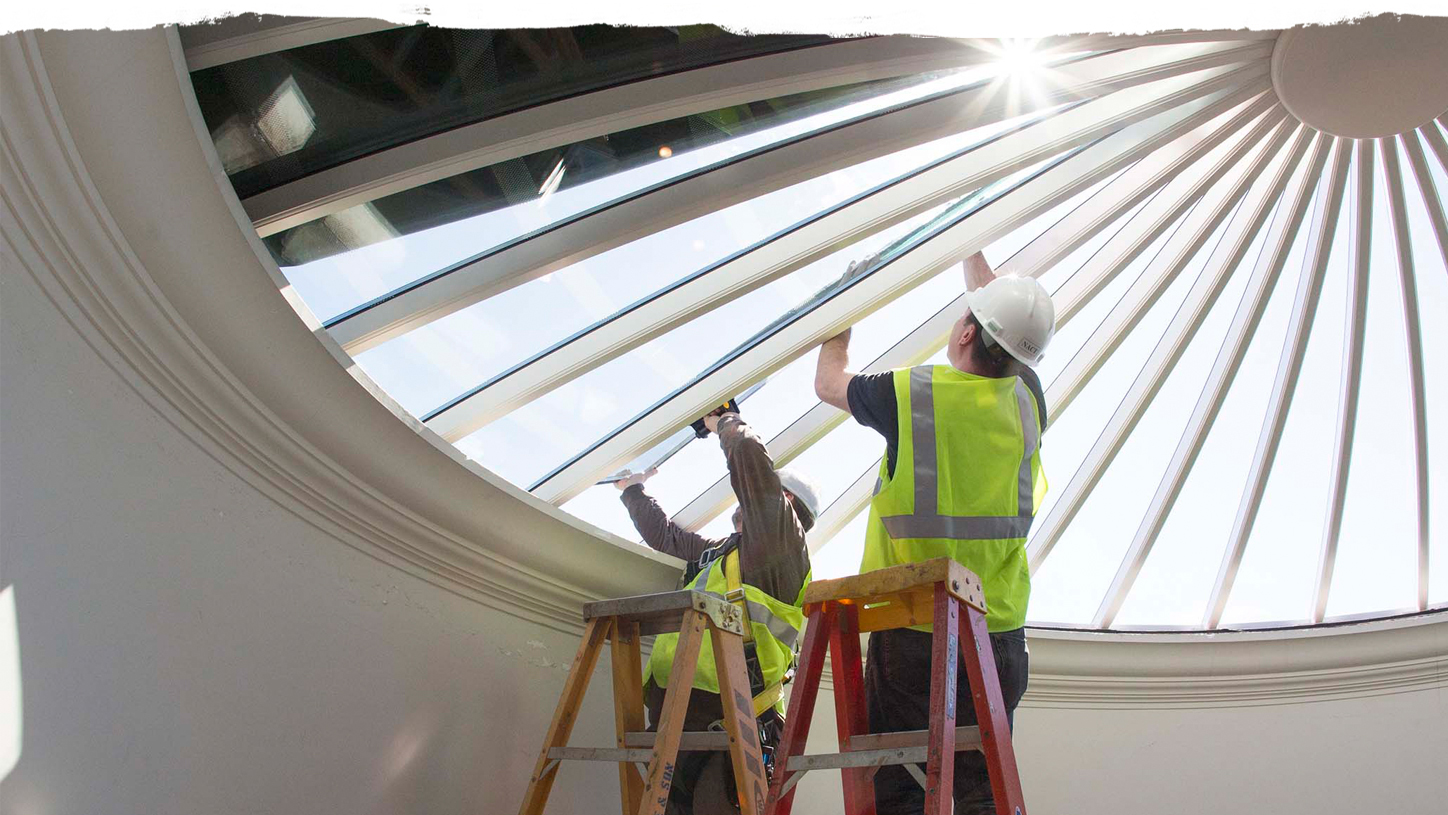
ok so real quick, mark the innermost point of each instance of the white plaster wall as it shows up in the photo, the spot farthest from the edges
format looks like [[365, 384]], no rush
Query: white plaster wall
[[189, 647]]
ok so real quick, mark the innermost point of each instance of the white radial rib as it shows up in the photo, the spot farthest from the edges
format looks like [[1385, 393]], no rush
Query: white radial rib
[[599, 113], [1181, 195], [790, 251], [1351, 373], [721, 185], [843, 510], [1222, 264], [847, 307], [1207, 214], [1431, 200], [1397, 205], [254, 37], [1304, 310], [913, 349], [1435, 140], [1050, 247], [1179, 251]]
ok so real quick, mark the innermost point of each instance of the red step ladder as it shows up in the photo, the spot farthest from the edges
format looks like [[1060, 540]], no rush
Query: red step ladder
[[938, 591]]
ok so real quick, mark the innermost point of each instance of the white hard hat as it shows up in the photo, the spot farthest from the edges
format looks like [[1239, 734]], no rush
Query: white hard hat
[[803, 489], [1017, 313]]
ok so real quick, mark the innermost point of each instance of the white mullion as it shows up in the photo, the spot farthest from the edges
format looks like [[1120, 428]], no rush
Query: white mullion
[[1304, 310], [912, 349], [598, 113], [1244, 324], [1015, 207], [789, 252], [1397, 205], [1127, 190], [1432, 203], [1435, 140], [254, 37], [1351, 375], [1176, 199], [1207, 214], [1050, 247], [843, 510], [1186, 243], [726, 183]]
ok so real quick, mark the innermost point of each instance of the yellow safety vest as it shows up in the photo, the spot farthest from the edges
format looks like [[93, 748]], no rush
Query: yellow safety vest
[[967, 483], [773, 624]]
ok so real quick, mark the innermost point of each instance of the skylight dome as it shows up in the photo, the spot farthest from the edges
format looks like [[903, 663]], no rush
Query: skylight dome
[[556, 260]]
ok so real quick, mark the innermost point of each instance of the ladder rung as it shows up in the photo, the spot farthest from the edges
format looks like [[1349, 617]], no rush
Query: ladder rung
[[614, 754], [859, 758], [689, 740], [967, 737]]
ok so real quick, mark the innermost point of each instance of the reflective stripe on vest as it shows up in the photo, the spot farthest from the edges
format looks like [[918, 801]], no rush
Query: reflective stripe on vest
[[775, 625], [925, 522], [974, 504]]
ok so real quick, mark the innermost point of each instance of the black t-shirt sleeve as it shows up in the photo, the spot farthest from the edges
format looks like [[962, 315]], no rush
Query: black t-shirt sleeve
[[872, 403]]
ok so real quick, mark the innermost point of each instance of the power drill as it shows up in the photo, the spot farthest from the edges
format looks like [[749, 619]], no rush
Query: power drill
[[731, 406]]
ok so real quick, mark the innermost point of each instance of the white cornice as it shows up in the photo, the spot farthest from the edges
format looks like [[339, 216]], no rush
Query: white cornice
[[117, 207]]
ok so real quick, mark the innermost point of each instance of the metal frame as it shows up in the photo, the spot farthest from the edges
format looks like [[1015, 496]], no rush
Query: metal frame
[[1431, 200], [785, 252], [1397, 205], [599, 113], [1437, 143], [1304, 311], [1104, 208], [1208, 212], [1223, 263], [1351, 375], [258, 38], [750, 175], [1180, 250], [872, 291]]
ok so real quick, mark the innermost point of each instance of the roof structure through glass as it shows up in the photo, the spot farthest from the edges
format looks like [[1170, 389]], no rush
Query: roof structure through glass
[[1249, 350]]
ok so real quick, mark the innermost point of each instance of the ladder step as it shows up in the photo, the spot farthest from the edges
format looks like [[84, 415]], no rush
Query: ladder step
[[689, 740], [884, 749], [614, 754], [967, 737]]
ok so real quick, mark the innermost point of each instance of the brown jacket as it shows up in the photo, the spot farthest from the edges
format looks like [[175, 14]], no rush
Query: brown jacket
[[772, 552]]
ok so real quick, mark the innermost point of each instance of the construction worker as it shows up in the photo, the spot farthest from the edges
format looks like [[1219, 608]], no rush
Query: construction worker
[[766, 558], [961, 478]]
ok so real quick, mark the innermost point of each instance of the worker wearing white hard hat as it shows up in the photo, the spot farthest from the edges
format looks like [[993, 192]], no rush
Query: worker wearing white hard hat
[[970, 493], [766, 563]]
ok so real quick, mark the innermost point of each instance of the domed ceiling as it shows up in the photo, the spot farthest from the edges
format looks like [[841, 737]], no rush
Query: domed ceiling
[[556, 248]]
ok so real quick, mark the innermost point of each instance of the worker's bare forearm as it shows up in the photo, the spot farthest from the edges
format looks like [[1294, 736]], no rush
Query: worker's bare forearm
[[977, 271], [832, 374]]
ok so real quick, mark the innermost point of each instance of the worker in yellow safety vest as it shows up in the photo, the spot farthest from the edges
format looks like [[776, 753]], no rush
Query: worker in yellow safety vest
[[961, 478], [763, 567]]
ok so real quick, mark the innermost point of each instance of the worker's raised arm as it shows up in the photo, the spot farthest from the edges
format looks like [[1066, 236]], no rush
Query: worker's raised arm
[[771, 543], [832, 379], [977, 271], [654, 526]]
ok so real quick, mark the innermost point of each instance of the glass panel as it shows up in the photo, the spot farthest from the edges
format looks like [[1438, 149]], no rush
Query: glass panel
[[1176, 581], [280, 116], [1068, 587], [1377, 555], [841, 555], [449, 357], [486, 208], [1432, 284], [532, 440], [1279, 567]]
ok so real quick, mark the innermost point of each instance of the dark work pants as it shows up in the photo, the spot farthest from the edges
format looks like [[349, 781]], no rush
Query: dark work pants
[[897, 697], [703, 782]]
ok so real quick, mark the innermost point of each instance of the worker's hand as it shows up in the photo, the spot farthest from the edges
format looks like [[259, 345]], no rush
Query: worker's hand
[[635, 478], [712, 421], [842, 338], [977, 271]]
